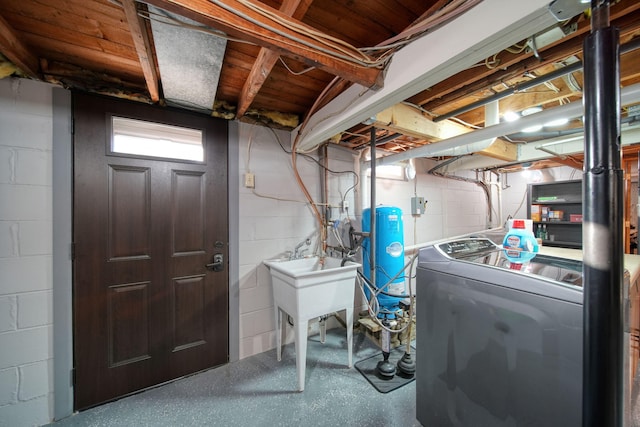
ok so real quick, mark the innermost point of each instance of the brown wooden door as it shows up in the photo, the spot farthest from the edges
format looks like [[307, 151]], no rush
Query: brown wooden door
[[146, 310]]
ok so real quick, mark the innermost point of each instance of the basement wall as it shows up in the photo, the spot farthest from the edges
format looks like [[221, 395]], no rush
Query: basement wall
[[26, 320], [271, 221]]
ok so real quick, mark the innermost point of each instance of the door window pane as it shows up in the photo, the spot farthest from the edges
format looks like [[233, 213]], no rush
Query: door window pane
[[141, 138]]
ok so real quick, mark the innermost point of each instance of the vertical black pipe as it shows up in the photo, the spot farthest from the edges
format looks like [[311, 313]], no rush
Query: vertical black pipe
[[372, 210], [603, 227]]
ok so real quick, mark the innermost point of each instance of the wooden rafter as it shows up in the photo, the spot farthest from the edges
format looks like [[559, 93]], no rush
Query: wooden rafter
[[284, 41], [143, 48], [407, 120], [15, 51], [624, 15], [267, 59]]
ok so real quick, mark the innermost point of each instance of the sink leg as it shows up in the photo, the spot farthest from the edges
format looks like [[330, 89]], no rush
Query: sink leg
[[349, 316], [323, 330], [278, 333], [300, 327]]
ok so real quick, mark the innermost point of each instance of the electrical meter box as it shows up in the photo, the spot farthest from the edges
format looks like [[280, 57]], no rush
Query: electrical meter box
[[418, 205]]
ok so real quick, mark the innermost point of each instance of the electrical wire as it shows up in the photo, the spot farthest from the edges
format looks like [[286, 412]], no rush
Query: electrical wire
[[165, 18], [295, 73]]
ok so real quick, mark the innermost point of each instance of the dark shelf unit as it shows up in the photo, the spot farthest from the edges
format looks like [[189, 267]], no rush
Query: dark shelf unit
[[565, 196]]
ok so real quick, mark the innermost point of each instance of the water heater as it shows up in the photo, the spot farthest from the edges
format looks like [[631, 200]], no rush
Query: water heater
[[389, 256]]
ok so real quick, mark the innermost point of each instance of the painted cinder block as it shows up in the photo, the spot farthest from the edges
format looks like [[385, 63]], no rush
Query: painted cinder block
[[25, 130], [34, 380], [8, 386], [33, 412], [33, 167], [35, 309], [8, 313], [9, 231], [36, 238], [25, 274], [25, 346], [25, 202]]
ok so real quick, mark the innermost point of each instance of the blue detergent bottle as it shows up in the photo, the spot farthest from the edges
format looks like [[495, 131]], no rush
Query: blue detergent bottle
[[519, 244]]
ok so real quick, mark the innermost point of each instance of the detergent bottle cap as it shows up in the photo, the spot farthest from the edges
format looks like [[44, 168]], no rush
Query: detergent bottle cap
[[518, 223]]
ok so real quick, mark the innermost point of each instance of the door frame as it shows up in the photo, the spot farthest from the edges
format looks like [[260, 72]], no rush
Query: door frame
[[62, 189]]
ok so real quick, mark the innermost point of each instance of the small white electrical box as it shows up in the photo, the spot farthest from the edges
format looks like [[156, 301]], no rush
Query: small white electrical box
[[418, 205], [249, 180]]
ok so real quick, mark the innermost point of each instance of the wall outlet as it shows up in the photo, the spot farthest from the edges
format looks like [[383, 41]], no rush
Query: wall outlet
[[249, 180]]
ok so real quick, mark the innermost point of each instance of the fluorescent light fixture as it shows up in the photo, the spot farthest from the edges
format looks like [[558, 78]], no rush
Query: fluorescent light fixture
[[510, 116], [558, 122], [530, 129], [531, 110]]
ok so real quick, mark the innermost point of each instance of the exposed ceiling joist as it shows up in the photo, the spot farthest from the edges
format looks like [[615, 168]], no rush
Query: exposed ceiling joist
[[15, 51], [267, 59], [628, 95], [428, 60], [623, 15], [408, 120], [238, 20], [143, 48]]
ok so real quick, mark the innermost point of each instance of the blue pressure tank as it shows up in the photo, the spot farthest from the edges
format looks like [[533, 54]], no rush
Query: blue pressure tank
[[389, 256]]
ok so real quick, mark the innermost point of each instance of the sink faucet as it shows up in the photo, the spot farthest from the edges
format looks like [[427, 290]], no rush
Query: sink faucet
[[297, 253]]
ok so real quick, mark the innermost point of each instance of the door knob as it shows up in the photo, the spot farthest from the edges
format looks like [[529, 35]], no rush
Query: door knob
[[217, 264]]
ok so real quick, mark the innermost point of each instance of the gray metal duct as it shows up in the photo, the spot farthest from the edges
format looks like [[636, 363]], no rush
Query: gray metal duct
[[628, 95], [189, 60]]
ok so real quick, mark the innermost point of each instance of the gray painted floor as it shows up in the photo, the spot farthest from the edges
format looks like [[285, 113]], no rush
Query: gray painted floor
[[260, 391]]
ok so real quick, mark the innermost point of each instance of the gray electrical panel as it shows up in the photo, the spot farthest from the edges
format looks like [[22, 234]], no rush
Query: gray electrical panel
[[418, 205]]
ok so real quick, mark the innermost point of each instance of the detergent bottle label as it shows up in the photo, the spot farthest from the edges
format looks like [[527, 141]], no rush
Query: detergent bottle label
[[513, 241], [520, 246]]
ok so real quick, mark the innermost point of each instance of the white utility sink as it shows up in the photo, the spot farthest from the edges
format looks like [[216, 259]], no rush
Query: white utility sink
[[307, 288]]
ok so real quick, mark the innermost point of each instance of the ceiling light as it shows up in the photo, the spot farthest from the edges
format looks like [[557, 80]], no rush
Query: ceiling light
[[557, 122], [510, 116], [534, 128], [531, 110]]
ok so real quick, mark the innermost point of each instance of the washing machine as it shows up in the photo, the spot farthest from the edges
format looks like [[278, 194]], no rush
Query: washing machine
[[497, 344]]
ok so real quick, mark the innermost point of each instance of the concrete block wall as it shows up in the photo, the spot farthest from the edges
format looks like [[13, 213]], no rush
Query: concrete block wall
[[453, 207], [274, 218], [26, 349], [271, 223]]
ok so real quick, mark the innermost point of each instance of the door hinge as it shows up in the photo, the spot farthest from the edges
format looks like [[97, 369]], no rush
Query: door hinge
[[73, 126], [73, 377], [73, 251]]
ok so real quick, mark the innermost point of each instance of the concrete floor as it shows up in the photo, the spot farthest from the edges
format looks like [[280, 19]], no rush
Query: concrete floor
[[260, 391]]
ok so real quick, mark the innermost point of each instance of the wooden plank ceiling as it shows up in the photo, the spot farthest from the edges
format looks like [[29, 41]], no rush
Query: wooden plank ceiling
[[282, 54]]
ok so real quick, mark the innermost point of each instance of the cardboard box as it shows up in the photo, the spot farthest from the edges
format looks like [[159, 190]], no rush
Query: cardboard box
[[535, 213], [575, 217]]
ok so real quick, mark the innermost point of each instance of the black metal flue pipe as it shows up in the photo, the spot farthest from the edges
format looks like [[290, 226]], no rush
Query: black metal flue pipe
[[602, 399]]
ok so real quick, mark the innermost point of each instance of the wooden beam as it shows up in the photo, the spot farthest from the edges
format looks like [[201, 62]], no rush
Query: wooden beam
[[15, 51], [238, 20], [267, 59], [143, 48], [407, 120], [624, 15], [568, 161], [451, 48]]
